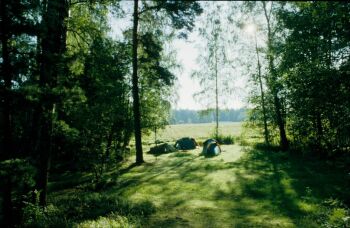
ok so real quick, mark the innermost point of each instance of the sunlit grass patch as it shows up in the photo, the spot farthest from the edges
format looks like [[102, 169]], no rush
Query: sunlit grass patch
[[112, 220], [221, 179]]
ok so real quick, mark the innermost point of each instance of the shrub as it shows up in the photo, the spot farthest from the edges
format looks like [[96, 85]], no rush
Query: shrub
[[88, 210], [200, 143], [266, 147], [224, 139], [228, 140], [242, 140], [331, 213], [37, 216]]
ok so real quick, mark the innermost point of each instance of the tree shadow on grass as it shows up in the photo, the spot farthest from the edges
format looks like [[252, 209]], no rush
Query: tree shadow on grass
[[276, 184], [153, 172], [127, 169]]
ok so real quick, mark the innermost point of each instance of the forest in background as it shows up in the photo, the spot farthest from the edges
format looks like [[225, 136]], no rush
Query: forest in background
[[182, 116], [75, 100]]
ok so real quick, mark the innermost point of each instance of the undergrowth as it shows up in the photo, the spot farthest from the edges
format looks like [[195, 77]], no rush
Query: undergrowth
[[224, 139], [87, 210]]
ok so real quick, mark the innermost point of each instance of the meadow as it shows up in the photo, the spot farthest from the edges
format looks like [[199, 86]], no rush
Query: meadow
[[200, 132]]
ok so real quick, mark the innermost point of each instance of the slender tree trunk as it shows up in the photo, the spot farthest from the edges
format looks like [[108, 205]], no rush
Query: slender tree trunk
[[266, 133], [280, 122], [135, 88], [7, 77], [319, 129], [109, 144], [44, 161], [272, 83], [155, 135], [216, 92], [52, 46]]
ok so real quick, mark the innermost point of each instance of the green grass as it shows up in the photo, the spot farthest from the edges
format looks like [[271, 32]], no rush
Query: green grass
[[245, 186], [242, 187]]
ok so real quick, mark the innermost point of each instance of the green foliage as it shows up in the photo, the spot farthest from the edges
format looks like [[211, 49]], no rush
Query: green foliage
[[223, 139], [180, 14], [19, 172], [37, 216], [307, 77], [215, 70], [313, 66], [331, 213], [264, 146]]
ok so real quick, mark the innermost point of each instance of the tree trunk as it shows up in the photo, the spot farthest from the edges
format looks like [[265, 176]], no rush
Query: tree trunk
[[109, 144], [272, 83], [283, 138], [7, 77], [45, 159], [135, 88], [7, 149], [266, 133], [319, 129], [52, 46], [216, 93], [155, 135]]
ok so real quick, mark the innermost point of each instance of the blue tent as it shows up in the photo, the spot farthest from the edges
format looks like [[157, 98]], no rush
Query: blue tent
[[211, 148]]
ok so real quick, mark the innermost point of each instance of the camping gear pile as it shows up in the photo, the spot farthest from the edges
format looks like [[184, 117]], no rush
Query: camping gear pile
[[186, 143], [211, 148]]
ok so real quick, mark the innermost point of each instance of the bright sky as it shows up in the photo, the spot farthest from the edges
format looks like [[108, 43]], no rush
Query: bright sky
[[186, 86], [187, 52]]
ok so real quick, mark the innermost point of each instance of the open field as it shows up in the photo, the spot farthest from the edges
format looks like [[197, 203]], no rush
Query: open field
[[198, 131]]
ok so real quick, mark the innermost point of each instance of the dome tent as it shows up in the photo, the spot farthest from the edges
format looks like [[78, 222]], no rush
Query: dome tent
[[211, 148], [162, 149], [186, 143]]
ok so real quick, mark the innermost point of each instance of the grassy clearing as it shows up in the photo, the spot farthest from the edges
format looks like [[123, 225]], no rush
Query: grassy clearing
[[239, 188], [245, 186]]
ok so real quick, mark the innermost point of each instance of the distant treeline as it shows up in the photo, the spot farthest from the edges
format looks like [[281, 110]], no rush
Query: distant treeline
[[197, 116]]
